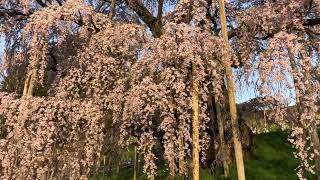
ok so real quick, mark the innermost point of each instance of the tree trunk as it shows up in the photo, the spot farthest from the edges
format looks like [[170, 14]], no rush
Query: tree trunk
[[138, 163], [182, 165], [112, 8], [118, 167], [316, 148], [171, 163], [195, 126], [222, 139], [31, 84], [26, 84], [110, 166], [51, 76], [135, 164], [104, 167], [231, 95]]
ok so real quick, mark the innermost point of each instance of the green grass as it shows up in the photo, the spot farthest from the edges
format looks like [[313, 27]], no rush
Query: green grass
[[272, 159]]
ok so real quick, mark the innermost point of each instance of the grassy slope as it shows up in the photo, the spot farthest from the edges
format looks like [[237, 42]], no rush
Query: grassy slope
[[272, 159]]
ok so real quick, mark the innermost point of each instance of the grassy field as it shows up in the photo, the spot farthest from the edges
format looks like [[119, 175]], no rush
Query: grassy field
[[272, 159]]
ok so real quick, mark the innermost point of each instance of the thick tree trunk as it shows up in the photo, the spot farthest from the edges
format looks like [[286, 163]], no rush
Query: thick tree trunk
[[51, 76], [231, 96], [29, 84], [316, 148], [195, 127], [222, 139]]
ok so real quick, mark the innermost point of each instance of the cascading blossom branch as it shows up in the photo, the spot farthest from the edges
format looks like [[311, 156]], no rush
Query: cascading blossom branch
[[49, 138], [52, 23], [159, 99], [285, 65], [102, 63]]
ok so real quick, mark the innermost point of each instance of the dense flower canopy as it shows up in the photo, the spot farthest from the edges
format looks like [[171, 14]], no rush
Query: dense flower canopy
[[48, 138], [83, 76]]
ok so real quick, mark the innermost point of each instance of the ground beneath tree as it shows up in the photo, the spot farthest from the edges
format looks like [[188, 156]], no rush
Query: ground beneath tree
[[272, 159]]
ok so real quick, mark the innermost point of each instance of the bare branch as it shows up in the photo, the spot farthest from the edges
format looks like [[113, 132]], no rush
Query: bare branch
[[145, 16], [41, 3]]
